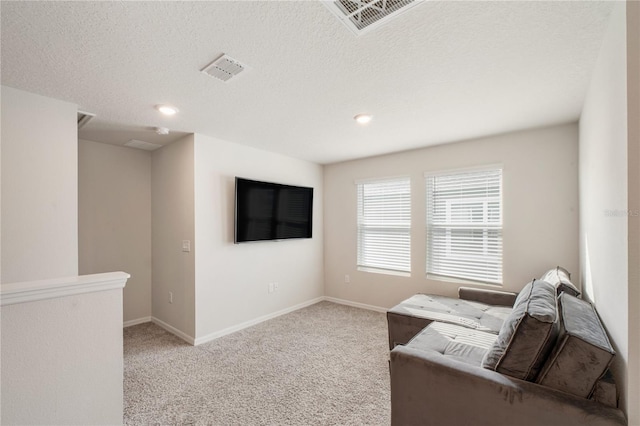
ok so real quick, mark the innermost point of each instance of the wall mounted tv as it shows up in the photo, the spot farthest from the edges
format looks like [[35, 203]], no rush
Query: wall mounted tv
[[270, 211]]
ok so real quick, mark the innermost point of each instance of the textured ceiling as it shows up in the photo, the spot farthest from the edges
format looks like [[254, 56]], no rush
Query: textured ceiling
[[442, 72]]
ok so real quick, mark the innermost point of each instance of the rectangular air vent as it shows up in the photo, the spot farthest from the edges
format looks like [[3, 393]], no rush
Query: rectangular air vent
[[148, 146], [361, 16], [224, 68]]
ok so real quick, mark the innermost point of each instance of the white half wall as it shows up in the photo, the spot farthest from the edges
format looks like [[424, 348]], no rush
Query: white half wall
[[172, 222], [39, 187], [232, 279], [114, 218], [540, 210], [62, 360]]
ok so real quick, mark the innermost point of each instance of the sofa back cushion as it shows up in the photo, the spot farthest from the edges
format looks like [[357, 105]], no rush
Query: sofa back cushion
[[582, 353], [560, 278], [527, 335]]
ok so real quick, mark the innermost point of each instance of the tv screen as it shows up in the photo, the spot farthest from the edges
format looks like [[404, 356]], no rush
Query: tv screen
[[270, 211]]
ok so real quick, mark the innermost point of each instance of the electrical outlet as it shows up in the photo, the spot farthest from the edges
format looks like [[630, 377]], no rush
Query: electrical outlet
[[275, 286], [271, 286], [186, 246], [347, 279], [170, 297]]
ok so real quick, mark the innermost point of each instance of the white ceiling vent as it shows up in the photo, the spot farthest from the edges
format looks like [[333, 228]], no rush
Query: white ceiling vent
[[361, 16], [84, 118], [148, 146], [224, 68]]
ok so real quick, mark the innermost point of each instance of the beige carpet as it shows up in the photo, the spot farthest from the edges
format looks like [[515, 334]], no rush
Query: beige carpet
[[322, 365]]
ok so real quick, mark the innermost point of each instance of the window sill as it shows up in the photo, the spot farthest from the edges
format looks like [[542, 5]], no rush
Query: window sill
[[384, 271], [462, 281]]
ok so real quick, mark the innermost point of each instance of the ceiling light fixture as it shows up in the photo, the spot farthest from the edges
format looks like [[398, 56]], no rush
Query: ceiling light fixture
[[362, 118], [167, 109]]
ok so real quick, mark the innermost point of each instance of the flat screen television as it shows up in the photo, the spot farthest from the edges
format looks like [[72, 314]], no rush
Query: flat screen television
[[271, 211]]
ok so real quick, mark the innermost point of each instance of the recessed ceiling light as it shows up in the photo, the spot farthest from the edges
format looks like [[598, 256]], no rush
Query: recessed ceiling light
[[362, 118], [167, 109]]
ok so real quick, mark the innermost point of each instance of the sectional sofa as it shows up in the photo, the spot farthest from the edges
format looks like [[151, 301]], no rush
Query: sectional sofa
[[540, 357]]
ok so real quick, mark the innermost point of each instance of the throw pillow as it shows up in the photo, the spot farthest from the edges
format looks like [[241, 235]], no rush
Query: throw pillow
[[527, 335]]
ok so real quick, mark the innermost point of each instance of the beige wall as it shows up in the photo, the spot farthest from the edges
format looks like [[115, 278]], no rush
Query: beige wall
[[633, 105], [62, 361], [540, 210], [605, 199], [172, 219], [39, 187], [232, 279], [114, 219]]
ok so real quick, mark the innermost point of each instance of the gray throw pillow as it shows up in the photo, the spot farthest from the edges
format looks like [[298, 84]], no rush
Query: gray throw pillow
[[527, 335], [560, 278]]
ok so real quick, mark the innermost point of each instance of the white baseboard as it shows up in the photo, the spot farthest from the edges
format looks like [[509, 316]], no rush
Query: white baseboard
[[246, 324], [355, 304], [234, 328], [136, 322], [171, 329]]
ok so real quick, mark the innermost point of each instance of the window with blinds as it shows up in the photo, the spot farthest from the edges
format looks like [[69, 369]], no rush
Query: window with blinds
[[464, 225], [384, 225]]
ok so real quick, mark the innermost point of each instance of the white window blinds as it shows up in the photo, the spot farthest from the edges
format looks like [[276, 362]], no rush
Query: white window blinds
[[464, 225], [384, 225]]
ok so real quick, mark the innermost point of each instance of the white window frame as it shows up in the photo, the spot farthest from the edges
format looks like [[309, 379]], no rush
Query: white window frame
[[443, 261], [384, 231]]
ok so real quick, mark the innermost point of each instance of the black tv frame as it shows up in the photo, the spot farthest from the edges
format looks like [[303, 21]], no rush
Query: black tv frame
[[238, 226]]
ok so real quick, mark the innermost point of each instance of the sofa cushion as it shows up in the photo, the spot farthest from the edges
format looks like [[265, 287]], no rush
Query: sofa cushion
[[527, 335], [582, 353], [457, 342], [467, 313], [409, 317], [560, 278]]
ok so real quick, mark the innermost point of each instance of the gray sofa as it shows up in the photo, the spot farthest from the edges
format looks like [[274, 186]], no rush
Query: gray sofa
[[491, 358]]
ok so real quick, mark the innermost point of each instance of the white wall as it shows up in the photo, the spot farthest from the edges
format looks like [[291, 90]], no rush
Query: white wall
[[62, 360], [39, 187], [172, 221], [540, 211], [232, 280], [114, 219], [604, 196]]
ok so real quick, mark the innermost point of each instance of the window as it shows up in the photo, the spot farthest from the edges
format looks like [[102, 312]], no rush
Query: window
[[464, 225], [384, 225]]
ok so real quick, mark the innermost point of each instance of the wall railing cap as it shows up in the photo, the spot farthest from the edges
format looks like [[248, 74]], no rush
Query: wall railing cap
[[32, 291]]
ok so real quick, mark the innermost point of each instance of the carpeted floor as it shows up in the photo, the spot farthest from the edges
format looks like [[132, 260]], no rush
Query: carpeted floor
[[326, 364]]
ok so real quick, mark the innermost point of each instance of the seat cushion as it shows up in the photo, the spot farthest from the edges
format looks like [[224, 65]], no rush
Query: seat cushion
[[561, 280], [407, 318], [527, 335], [582, 353], [469, 314], [454, 341]]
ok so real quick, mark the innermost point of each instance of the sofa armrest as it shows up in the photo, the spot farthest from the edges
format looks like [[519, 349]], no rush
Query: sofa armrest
[[489, 297], [428, 388]]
